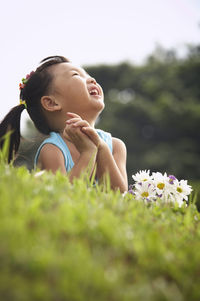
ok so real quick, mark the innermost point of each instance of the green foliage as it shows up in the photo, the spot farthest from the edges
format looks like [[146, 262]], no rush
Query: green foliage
[[4, 153], [155, 110], [77, 242]]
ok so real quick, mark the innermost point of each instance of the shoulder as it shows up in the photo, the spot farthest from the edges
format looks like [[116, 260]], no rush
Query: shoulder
[[51, 158], [118, 146], [50, 149]]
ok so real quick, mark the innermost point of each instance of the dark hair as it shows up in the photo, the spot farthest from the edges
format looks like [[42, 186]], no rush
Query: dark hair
[[37, 86]]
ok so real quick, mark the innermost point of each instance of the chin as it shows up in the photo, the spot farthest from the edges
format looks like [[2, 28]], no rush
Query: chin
[[101, 107], [101, 104]]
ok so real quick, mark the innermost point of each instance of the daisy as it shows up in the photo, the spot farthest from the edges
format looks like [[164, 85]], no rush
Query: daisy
[[182, 190], [144, 191], [159, 186], [162, 186], [142, 176]]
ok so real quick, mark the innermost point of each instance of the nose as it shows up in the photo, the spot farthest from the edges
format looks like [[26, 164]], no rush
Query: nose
[[91, 80]]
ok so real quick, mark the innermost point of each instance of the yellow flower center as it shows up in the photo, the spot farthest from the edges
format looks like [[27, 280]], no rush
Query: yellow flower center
[[144, 180], [160, 185], [179, 189], [145, 194]]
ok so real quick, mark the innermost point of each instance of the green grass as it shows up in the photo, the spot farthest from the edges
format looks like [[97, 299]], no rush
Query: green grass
[[75, 242]]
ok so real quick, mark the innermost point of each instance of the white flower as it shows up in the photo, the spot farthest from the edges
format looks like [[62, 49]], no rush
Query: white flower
[[39, 173], [158, 186], [162, 185], [144, 191], [124, 193], [160, 181], [142, 176], [182, 190]]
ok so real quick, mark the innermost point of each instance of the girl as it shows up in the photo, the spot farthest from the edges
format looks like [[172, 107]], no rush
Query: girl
[[64, 101]]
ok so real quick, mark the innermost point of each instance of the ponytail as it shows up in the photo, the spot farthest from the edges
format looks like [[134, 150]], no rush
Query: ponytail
[[33, 87], [11, 123]]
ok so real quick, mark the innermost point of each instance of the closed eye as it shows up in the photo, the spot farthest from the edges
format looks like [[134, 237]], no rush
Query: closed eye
[[76, 73]]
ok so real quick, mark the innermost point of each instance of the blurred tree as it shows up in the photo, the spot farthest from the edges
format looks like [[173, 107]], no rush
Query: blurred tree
[[155, 109]]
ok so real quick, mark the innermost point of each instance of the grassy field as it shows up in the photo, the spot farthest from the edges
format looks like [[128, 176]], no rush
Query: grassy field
[[75, 242]]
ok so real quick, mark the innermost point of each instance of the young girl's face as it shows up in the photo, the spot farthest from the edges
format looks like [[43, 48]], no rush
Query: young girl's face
[[76, 91]]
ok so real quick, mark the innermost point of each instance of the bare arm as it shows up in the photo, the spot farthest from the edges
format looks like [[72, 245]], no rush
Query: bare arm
[[51, 157], [113, 164], [86, 148]]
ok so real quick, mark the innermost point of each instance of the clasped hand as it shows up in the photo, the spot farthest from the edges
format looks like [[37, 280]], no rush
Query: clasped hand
[[81, 134]]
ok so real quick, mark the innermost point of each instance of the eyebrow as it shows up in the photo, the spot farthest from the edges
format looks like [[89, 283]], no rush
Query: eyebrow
[[81, 69]]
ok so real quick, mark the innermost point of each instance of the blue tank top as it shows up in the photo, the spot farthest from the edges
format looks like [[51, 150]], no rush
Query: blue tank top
[[58, 141]]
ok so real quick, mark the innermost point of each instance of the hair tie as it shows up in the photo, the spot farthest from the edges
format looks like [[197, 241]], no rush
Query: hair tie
[[24, 80], [23, 102], [22, 85]]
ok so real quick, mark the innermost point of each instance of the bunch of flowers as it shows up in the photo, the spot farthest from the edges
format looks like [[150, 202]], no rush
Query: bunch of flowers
[[159, 186]]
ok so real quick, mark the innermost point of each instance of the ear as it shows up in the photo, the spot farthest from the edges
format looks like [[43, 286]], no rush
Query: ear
[[50, 103]]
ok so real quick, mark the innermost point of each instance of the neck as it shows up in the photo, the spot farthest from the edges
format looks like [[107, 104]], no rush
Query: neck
[[58, 122]]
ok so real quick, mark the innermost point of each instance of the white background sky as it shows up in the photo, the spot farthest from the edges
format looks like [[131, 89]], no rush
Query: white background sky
[[88, 32]]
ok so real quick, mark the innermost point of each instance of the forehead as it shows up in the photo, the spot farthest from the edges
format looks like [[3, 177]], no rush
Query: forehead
[[66, 68]]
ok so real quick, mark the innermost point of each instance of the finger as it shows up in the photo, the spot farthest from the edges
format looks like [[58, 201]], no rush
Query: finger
[[77, 135], [73, 120], [81, 123], [73, 114], [72, 130], [92, 134]]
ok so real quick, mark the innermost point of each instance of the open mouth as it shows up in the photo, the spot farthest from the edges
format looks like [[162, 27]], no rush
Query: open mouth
[[94, 92]]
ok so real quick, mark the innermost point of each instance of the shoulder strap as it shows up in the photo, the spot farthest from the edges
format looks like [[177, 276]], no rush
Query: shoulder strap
[[57, 140], [106, 137]]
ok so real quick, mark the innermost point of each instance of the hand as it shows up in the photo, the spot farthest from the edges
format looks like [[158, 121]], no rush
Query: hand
[[75, 135], [77, 122]]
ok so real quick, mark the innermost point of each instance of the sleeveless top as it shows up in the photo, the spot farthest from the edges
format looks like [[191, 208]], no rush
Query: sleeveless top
[[58, 141]]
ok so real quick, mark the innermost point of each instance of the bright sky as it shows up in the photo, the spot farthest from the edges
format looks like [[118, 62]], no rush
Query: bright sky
[[88, 32]]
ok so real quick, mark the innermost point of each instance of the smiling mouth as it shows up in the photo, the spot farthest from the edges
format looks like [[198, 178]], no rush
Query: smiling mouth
[[94, 92]]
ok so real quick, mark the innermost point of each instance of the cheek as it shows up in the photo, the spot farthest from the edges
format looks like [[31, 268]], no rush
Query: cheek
[[74, 90], [76, 94], [77, 86]]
